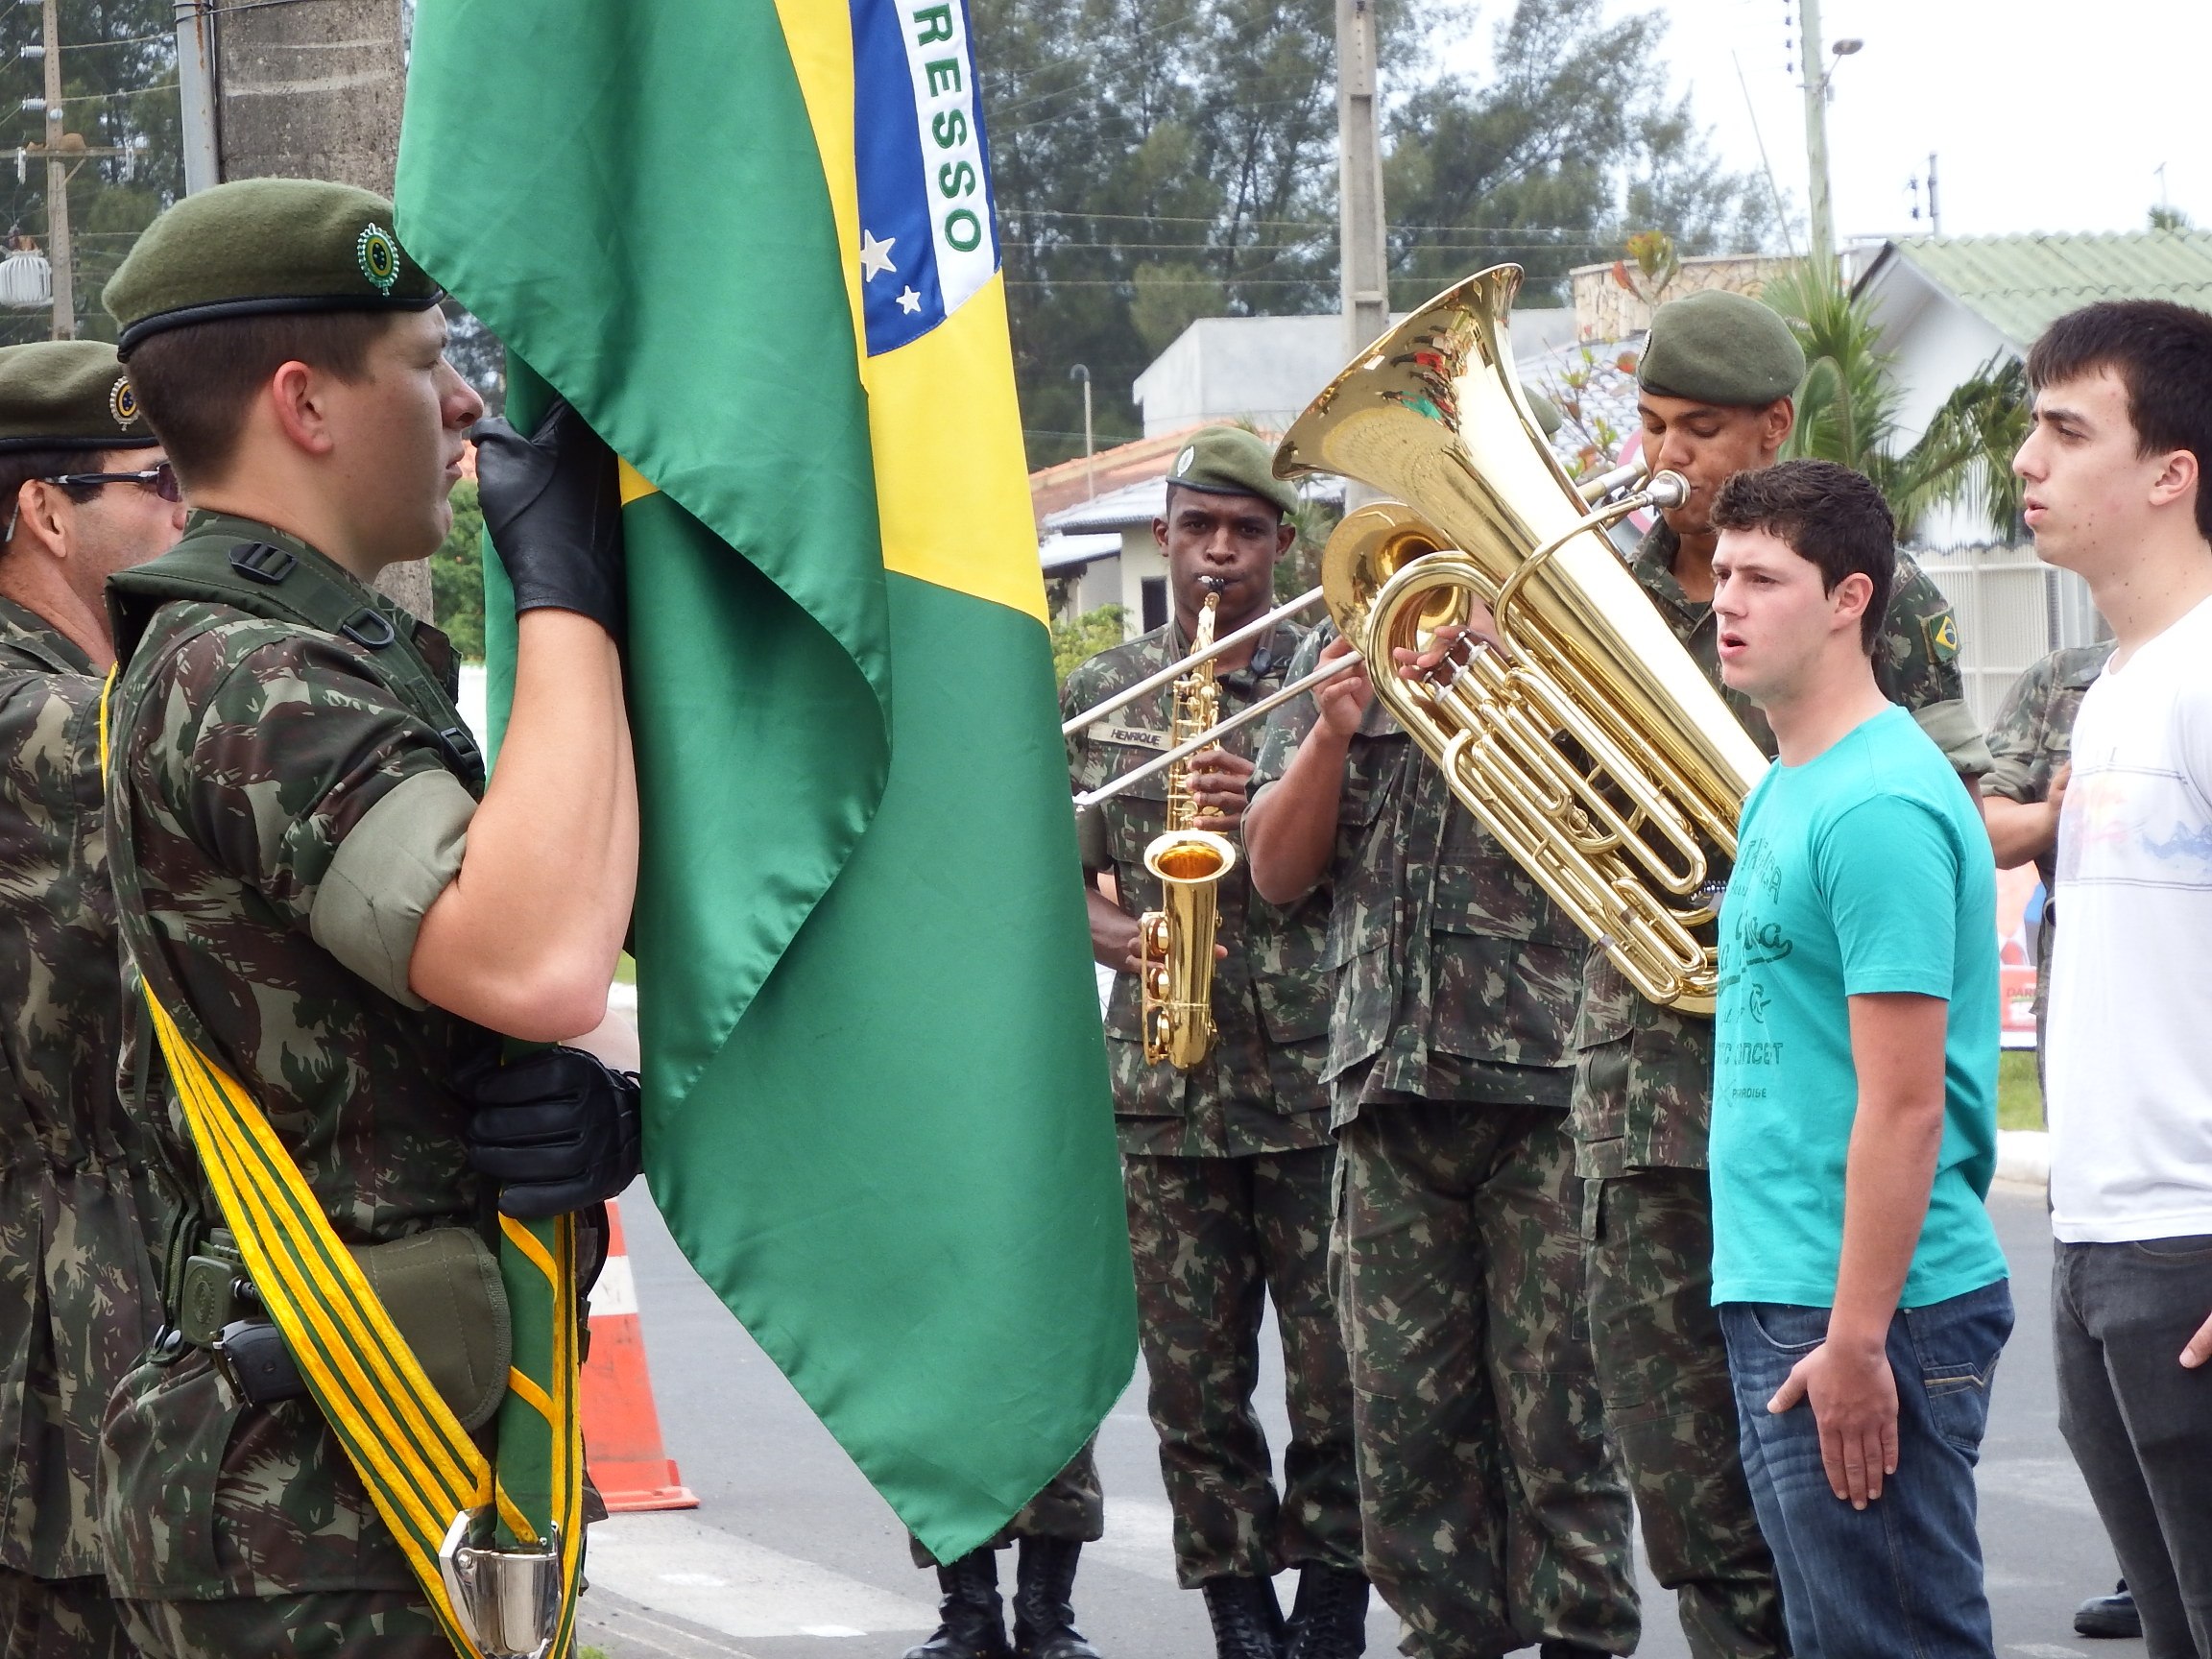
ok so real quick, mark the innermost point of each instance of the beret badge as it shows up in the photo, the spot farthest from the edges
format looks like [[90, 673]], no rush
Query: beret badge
[[123, 401], [378, 254]]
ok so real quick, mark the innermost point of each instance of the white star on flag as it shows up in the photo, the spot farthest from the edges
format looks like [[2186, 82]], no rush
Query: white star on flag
[[874, 255], [909, 301]]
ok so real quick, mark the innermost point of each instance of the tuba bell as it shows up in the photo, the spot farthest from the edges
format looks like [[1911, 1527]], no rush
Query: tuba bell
[[1590, 745]]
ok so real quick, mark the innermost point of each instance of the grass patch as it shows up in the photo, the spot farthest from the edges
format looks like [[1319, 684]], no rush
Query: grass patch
[[2019, 1098]]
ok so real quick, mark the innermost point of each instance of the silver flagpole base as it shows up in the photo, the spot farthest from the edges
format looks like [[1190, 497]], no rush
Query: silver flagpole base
[[508, 1600]]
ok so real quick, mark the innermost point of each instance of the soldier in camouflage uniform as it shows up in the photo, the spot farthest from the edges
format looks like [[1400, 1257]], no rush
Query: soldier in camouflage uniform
[[1493, 1511], [2030, 742], [81, 1218], [1229, 1165], [305, 873], [1716, 381]]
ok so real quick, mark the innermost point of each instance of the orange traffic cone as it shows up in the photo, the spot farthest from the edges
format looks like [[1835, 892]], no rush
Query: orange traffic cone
[[621, 1429]]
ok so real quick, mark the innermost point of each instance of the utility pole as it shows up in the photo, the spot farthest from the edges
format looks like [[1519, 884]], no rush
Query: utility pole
[[196, 93], [58, 184], [1813, 58], [1935, 207], [1364, 265], [311, 92]]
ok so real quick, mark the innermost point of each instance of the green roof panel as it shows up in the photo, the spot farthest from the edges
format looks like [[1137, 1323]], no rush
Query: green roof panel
[[2022, 284]]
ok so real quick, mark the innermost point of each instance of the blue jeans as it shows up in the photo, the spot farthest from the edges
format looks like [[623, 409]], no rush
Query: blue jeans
[[1902, 1578]]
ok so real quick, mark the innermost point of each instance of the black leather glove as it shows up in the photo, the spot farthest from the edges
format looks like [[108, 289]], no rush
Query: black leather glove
[[554, 509], [557, 1128]]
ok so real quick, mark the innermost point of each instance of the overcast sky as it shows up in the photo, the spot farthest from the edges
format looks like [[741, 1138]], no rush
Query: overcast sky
[[2044, 114]]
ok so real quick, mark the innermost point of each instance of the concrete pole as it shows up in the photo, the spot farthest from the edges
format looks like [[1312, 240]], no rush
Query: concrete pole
[[196, 93], [1363, 263], [58, 186], [1812, 59], [314, 92]]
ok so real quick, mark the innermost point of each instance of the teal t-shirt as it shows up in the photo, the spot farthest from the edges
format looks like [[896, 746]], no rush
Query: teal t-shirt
[[1864, 870]]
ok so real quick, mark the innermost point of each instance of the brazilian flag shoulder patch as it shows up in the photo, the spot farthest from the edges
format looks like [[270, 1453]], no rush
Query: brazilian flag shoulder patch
[[1939, 633]]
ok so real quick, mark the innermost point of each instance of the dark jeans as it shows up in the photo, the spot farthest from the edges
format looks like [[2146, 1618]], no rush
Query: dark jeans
[[2139, 1424], [1904, 1574]]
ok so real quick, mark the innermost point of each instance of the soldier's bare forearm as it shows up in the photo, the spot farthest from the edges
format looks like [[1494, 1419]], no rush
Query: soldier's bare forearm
[[2019, 831], [524, 938], [1112, 931], [1291, 827]]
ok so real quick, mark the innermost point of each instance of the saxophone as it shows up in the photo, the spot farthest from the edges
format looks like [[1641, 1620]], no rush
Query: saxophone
[[1176, 943]]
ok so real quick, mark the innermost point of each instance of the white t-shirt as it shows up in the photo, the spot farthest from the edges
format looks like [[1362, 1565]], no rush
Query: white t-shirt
[[2130, 1066]]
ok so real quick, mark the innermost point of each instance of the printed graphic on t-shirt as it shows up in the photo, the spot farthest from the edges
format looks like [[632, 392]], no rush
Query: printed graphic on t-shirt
[[1760, 940], [2134, 826]]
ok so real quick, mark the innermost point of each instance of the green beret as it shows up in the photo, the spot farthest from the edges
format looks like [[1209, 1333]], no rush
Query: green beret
[[1721, 348], [263, 245], [1230, 460], [68, 395]]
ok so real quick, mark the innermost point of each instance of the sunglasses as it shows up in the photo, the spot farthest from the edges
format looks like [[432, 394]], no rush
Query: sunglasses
[[161, 480]]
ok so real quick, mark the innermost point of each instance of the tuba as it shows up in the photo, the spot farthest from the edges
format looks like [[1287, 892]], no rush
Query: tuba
[[1590, 745], [1176, 943]]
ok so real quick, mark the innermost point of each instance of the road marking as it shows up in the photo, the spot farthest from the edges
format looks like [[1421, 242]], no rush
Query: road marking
[[2045, 1650], [678, 1564]]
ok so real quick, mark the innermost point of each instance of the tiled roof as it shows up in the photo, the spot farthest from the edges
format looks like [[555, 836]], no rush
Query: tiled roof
[[1054, 488], [2021, 284]]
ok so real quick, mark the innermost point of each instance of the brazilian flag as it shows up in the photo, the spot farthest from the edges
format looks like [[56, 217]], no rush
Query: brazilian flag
[[753, 244]]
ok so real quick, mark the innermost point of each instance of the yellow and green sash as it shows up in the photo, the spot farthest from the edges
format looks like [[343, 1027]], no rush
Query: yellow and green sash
[[419, 1466]]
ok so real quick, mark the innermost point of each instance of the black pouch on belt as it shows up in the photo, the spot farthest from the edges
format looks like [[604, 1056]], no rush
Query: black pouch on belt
[[442, 1289]]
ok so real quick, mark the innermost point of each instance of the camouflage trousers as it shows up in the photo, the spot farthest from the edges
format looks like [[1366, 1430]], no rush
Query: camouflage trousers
[[1663, 1372], [1071, 1506], [328, 1624], [1213, 1238], [59, 1619], [1495, 1515]]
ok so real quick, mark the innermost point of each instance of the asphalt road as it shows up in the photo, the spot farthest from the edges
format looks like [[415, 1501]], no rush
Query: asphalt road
[[791, 1555]]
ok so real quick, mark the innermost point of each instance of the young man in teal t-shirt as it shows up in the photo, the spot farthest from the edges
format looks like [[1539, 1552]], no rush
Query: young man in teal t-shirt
[[1862, 1291]]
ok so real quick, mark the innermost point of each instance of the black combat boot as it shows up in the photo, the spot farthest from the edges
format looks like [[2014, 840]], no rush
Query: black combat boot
[[975, 1628], [1329, 1621], [1247, 1619], [1044, 1605], [1570, 1650]]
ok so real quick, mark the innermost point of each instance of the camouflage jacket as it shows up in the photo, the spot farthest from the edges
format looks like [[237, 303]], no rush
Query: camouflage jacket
[[1457, 976], [1654, 1111], [2031, 738], [80, 1216], [1260, 1089], [250, 759]]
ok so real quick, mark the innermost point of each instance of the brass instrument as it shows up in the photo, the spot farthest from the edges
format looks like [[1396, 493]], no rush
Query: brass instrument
[[1176, 943], [1590, 745]]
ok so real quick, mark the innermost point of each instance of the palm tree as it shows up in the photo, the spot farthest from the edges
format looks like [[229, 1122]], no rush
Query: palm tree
[[1847, 413]]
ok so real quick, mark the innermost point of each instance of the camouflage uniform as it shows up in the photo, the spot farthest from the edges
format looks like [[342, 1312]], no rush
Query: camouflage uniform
[[80, 1216], [253, 761], [2031, 738], [1228, 1169], [1643, 1099], [1495, 1514]]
